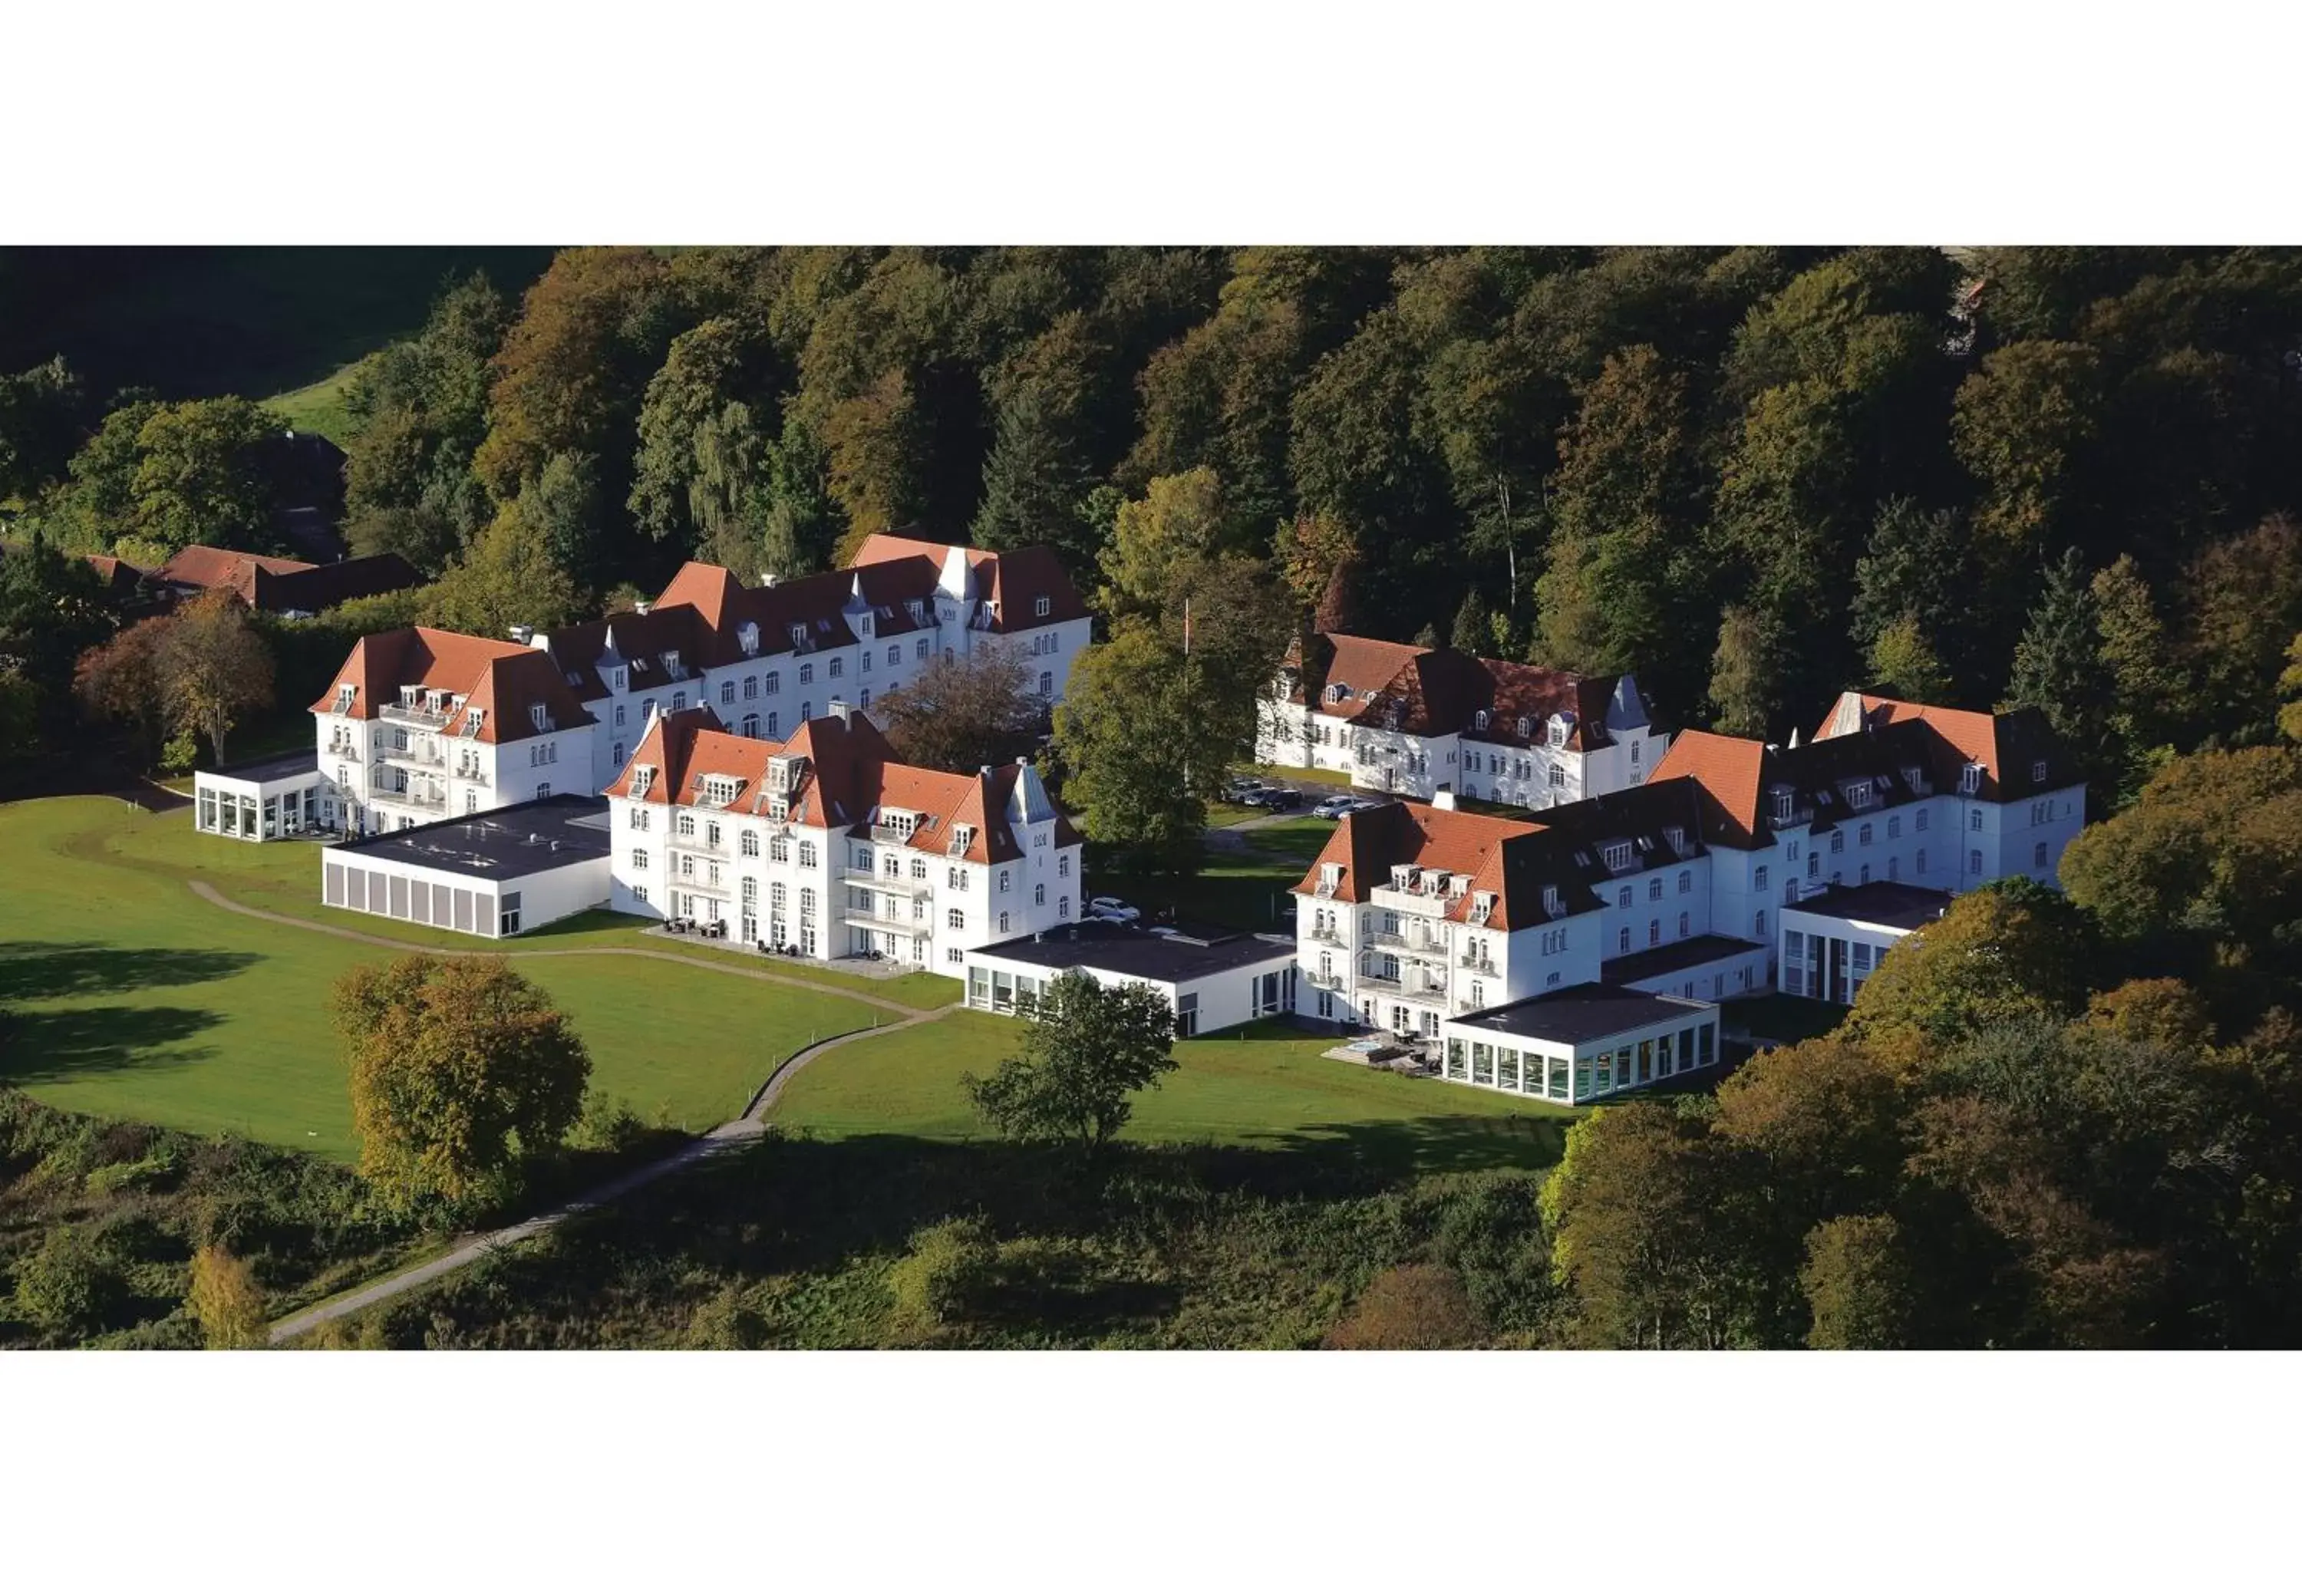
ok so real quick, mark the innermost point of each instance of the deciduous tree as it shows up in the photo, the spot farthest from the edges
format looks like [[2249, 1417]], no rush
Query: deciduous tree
[[215, 666], [1087, 1051], [1410, 1307], [226, 1301], [1858, 1284], [1177, 520], [459, 1069], [124, 681], [1125, 733], [963, 714]]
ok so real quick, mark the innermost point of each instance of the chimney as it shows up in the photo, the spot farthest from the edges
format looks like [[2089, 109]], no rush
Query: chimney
[[520, 634], [844, 710], [1444, 798], [642, 608], [769, 579]]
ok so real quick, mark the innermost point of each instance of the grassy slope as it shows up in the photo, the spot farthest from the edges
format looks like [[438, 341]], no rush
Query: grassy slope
[[319, 407], [137, 1000], [1266, 1087]]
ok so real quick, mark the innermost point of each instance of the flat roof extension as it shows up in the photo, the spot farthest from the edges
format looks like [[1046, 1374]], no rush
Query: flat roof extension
[[500, 845], [1125, 951], [1895, 904], [1650, 963], [278, 767], [1588, 1013]]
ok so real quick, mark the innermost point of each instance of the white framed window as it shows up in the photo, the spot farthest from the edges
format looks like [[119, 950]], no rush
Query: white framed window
[[1758, 924], [639, 858]]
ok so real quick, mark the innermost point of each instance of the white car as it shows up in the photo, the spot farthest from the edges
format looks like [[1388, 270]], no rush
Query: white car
[[1111, 909]]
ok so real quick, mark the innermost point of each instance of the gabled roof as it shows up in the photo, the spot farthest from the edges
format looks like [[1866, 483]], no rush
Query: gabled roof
[[2010, 746], [502, 677], [265, 581], [1729, 773], [1514, 860], [850, 780], [1398, 686]]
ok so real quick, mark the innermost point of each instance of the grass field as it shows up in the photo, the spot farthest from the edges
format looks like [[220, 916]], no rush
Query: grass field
[[134, 998], [1266, 1087], [319, 408]]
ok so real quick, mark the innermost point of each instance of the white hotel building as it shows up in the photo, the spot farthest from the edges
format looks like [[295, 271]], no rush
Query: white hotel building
[[423, 724], [1419, 919], [1417, 722], [824, 842]]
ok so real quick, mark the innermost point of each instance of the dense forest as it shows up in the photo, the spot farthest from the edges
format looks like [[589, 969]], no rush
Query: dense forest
[[1754, 476]]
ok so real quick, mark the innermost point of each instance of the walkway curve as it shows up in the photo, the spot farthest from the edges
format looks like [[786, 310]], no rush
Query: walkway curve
[[746, 1127], [212, 895]]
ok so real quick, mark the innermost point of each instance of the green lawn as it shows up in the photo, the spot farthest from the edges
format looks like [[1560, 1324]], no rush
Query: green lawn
[[319, 408], [1266, 1087], [134, 998]]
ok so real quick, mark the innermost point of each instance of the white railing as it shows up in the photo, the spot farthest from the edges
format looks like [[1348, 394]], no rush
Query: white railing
[[416, 715]]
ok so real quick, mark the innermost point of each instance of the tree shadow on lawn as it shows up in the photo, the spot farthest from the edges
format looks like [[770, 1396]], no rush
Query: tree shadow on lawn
[[51, 1044], [31, 971]]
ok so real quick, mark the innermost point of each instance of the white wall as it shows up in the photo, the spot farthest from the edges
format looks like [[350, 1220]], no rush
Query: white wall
[[545, 896]]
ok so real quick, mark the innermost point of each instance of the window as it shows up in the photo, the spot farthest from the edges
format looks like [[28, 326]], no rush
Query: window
[[774, 682], [1047, 684], [1858, 795], [1558, 776], [1623, 940], [1969, 780], [776, 896], [1862, 837], [837, 666], [541, 716], [1654, 889], [749, 847], [616, 755], [1918, 821], [2037, 771], [1039, 894], [806, 674], [1838, 841], [1758, 878], [1974, 862], [774, 718], [807, 855], [1042, 607], [1758, 924], [863, 662], [1682, 922], [507, 920], [1919, 863], [1654, 933], [344, 692], [750, 686], [751, 727], [1618, 855], [1003, 921], [1002, 881], [678, 702], [1894, 827], [728, 691], [779, 849], [1559, 731], [955, 919], [639, 858], [1623, 898], [1783, 797], [619, 716], [1063, 865], [1063, 908]]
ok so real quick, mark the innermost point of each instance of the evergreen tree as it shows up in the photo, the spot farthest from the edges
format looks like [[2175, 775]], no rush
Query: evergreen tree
[[2058, 668], [1473, 633], [1033, 481], [1900, 656], [1742, 677]]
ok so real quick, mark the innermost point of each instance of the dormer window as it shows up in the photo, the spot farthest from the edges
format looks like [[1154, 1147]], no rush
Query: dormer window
[[1330, 875], [408, 698], [799, 636], [1525, 728], [1042, 607], [747, 638], [1337, 692], [863, 625], [1618, 855], [1402, 877], [1483, 905], [474, 721], [2037, 771], [1969, 780], [1478, 720], [1559, 729], [1551, 904], [917, 609], [345, 693], [721, 790], [540, 716], [1910, 777], [671, 664], [1858, 795], [1675, 835], [1783, 797], [642, 778]]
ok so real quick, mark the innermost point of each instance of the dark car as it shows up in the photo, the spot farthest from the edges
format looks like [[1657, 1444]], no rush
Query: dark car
[[1278, 799]]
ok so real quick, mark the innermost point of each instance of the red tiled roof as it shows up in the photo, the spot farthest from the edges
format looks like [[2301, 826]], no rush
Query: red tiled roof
[[502, 677], [2011, 746], [1730, 771], [268, 583], [851, 777], [1440, 692], [1513, 860]]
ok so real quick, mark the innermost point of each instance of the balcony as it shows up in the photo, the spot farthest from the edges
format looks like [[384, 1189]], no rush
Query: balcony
[[1478, 963], [1370, 981], [1388, 938], [415, 759], [410, 798], [1419, 904], [697, 845], [1333, 936], [904, 884], [475, 773], [872, 919], [1325, 980], [416, 714], [898, 836]]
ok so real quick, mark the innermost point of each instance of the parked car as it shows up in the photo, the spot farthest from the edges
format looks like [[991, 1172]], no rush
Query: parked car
[[1278, 799], [1334, 808], [1112, 908], [1238, 787]]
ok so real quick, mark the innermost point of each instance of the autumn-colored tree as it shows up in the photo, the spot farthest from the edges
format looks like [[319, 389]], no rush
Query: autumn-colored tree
[[2157, 1009], [1177, 520], [506, 578], [2003, 951], [2022, 424], [874, 443], [215, 666], [461, 1068], [2243, 596], [1858, 1284], [122, 681], [1410, 1307], [1742, 681], [963, 714], [1901, 655], [225, 1299], [1310, 550]]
